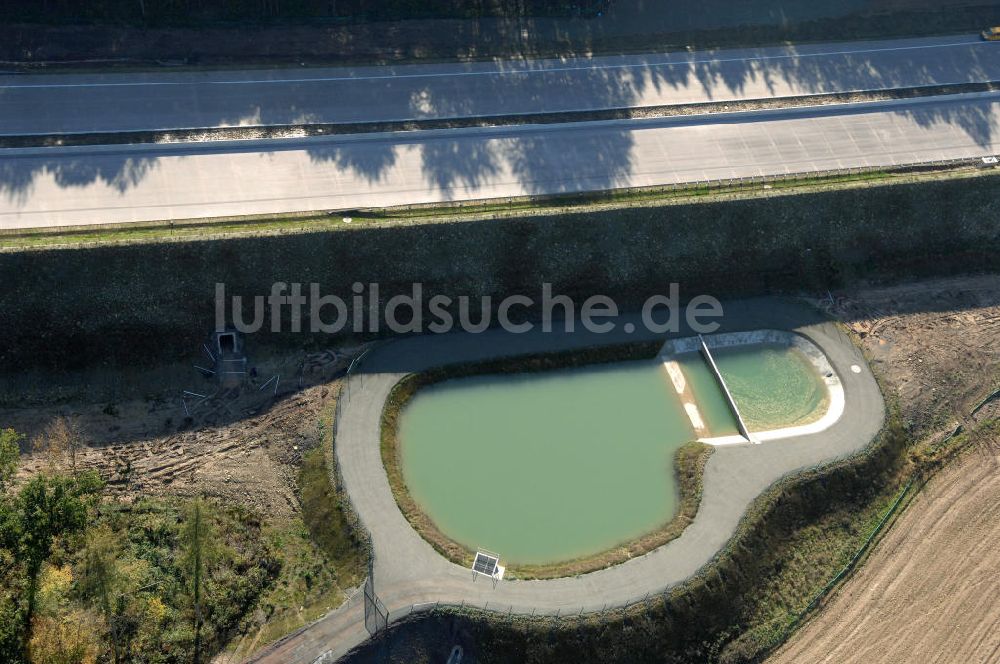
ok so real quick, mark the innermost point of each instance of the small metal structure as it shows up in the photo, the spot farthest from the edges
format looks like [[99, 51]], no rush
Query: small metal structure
[[226, 366], [487, 563], [229, 357]]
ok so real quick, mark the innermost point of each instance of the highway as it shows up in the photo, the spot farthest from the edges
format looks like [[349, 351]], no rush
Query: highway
[[56, 104], [110, 184]]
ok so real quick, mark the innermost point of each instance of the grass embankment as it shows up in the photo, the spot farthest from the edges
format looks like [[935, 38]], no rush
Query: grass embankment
[[794, 540], [320, 555], [777, 241], [689, 460], [296, 223], [228, 14], [788, 546], [319, 558]]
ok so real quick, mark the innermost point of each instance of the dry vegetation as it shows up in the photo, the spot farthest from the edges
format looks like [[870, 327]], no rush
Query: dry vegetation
[[251, 449], [935, 346], [937, 342], [928, 591], [922, 592], [242, 447]]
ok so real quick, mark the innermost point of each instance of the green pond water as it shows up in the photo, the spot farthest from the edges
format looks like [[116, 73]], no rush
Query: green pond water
[[773, 385], [708, 396], [545, 467]]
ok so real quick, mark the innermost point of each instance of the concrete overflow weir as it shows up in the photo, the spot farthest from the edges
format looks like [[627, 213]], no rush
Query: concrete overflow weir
[[700, 414], [740, 424]]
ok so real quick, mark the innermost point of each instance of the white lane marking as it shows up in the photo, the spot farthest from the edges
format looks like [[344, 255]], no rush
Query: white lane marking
[[498, 72]]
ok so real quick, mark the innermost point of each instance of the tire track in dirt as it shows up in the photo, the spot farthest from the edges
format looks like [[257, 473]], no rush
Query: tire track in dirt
[[929, 591], [243, 447]]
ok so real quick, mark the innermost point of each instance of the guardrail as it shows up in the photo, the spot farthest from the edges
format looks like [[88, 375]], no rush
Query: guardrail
[[737, 184]]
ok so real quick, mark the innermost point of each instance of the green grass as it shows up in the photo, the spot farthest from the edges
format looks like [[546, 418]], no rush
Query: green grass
[[217, 13], [583, 38], [794, 541], [321, 561], [801, 567], [308, 586], [325, 520], [790, 544]]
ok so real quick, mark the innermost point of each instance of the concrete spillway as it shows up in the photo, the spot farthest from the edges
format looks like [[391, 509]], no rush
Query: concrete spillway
[[707, 354]]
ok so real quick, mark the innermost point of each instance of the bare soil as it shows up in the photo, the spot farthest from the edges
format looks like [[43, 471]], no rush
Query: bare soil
[[928, 590], [928, 593], [242, 446], [936, 342]]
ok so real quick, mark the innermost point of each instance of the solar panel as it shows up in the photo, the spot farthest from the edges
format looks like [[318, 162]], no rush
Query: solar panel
[[485, 564]]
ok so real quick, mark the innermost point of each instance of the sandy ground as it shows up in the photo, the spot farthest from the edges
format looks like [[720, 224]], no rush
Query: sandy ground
[[936, 342], [928, 592]]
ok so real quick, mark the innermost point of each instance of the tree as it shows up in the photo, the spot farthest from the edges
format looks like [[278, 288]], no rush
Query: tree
[[11, 647], [11, 621], [67, 640], [45, 508], [60, 443], [10, 454], [100, 582], [196, 540]]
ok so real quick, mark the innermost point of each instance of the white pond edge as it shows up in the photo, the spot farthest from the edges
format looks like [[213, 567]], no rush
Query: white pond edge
[[835, 407]]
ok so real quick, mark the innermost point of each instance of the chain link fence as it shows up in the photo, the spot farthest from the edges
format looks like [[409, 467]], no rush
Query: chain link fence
[[336, 478]]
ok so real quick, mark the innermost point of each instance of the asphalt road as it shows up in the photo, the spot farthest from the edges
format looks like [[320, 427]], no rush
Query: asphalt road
[[408, 571], [52, 104], [44, 187]]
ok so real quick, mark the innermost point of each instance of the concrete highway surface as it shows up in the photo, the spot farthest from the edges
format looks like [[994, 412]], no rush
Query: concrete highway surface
[[122, 183], [54, 104]]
